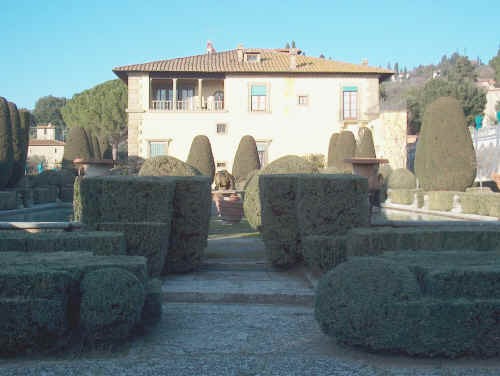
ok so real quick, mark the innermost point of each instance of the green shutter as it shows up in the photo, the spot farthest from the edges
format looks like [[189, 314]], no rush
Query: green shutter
[[350, 88], [259, 89]]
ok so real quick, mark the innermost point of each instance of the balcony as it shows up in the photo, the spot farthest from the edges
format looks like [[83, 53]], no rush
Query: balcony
[[186, 95], [191, 104]]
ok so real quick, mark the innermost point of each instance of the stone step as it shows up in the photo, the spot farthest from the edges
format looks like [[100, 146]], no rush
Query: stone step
[[248, 284]]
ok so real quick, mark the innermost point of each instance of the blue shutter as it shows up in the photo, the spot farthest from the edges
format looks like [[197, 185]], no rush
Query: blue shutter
[[157, 148], [259, 89], [350, 88]]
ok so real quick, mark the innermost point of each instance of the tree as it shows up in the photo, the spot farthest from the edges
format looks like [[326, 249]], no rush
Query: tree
[[287, 45], [495, 64], [472, 98], [48, 110], [6, 154], [101, 110], [293, 44], [77, 146], [396, 67], [18, 146]]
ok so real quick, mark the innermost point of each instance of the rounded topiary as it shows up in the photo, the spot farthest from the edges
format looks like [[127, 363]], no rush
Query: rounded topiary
[[331, 149], [289, 164], [6, 152], [59, 178], [352, 299], [165, 165], [246, 159], [18, 146], [401, 178], [200, 156], [111, 304], [445, 157], [345, 147], [365, 147], [77, 146]]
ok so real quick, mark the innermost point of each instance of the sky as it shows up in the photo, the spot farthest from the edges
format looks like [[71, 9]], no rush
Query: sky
[[61, 48]]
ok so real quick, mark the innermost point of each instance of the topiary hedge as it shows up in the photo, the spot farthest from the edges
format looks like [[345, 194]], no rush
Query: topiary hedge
[[246, 159], [445, 158], [8, 200], [98, 242], [331, 161], [403, 196], [111, 304], [148, 239], [295, 206], [200, 156], [289, 164], [50, 300], [365, 147], [324, 252], [424, 304], [401, 178], [6, 152], [345, 147], [441, 200], [165, 165]]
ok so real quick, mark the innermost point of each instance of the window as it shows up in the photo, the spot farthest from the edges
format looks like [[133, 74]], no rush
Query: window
[[350, 103], [221, 128], [157, 148], [263, 151], [258, 94], [253, 58], [221, 164], [303, 100]]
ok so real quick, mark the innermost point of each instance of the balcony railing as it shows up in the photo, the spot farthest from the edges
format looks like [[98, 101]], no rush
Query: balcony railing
[[187, 105]]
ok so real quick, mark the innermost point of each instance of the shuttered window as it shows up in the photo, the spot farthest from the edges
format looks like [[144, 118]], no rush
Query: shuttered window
[[350, 103], [157, 148], [258, 98]]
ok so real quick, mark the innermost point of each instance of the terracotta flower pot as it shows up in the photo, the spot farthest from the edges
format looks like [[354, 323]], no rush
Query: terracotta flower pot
[[231, 209], [496, 179]]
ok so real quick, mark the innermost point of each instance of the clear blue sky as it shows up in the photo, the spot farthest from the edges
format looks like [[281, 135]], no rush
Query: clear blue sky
[[63, 47]]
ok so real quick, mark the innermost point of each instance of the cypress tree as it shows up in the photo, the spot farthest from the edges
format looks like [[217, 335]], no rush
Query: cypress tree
[[89, 135], [17, 146], [96, 147], [6, 153], [105, 148], [200, 156], [246, 158], [77, 146], [331, 147], [365, 147]]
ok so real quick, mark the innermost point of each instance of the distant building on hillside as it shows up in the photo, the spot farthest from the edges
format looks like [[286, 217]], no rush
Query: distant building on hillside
[[46, 146]]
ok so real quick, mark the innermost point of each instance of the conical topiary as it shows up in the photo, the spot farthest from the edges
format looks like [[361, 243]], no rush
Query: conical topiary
[[88, 134], [17, 146], [289, 164], [246, 159], [165, 165], [365, 147], [331, 150], [200, 156], [105, 148], [6, 153], [401, 178], [445, 157], [77, 146], [345, 147]]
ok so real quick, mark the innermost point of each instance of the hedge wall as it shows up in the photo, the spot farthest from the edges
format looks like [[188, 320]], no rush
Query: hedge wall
[[424, 304]]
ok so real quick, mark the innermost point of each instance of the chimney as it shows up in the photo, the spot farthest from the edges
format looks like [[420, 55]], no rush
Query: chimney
[[364, 62], [293, 58], [210, 48], [239, 51]]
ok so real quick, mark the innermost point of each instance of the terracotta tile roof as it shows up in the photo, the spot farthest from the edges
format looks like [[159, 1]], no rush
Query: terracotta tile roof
[[46, 143], [271, 61]]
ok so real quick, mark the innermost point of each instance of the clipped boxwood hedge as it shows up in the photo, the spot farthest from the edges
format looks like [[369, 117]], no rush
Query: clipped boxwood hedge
[[324, 252], [441, 200], [98, 242], [295, 206], [424, 304], [8, 200]]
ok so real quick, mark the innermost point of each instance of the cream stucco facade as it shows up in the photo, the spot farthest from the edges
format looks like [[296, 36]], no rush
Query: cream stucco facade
[[287, 127], [303, 100]]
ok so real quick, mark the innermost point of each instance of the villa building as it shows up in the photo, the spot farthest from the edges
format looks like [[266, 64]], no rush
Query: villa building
[[290, 103], [46, 147]]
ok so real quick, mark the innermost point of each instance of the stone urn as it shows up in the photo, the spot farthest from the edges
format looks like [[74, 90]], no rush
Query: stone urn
[[231, 209]]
